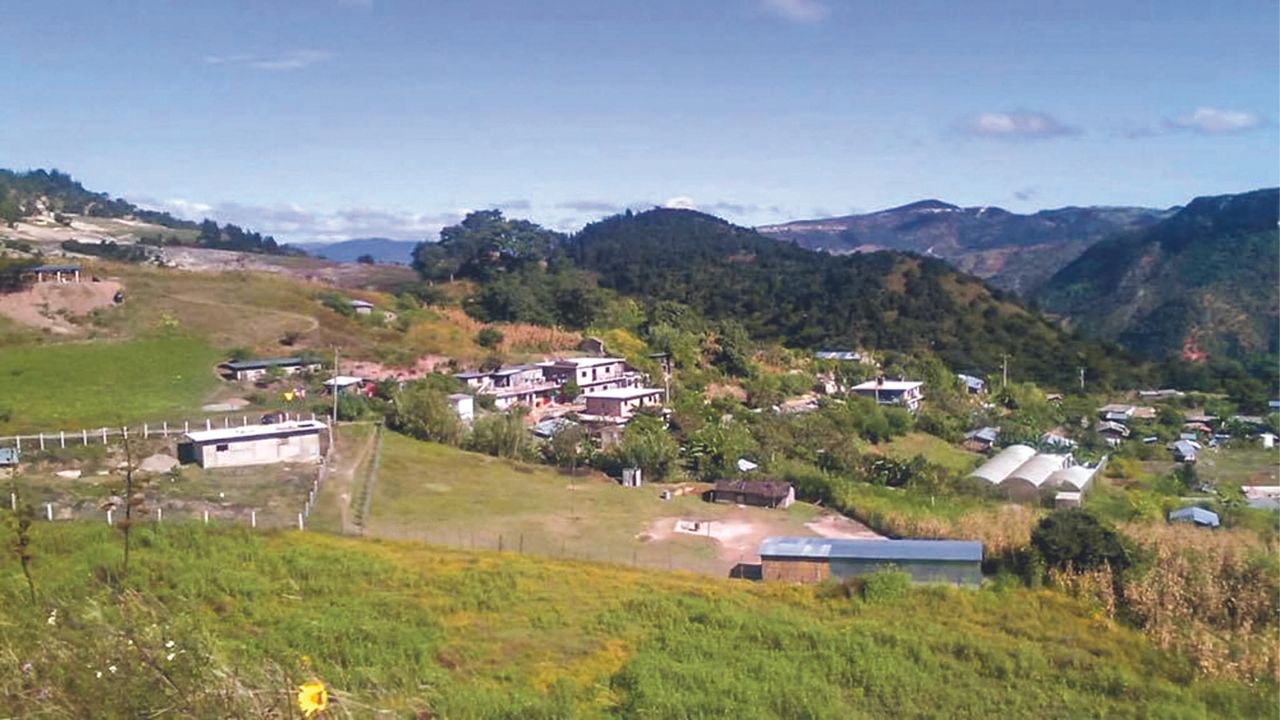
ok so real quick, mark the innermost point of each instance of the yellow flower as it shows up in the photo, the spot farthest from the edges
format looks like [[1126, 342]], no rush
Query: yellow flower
[[312, 698]]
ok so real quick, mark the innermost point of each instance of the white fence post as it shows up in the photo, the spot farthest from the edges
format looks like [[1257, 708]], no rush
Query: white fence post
[[42, 441], [300, 521], [208, 424], [253, 518], [109, 518], [62, 438], [159, 514], [244, 421], [146, 431], [18, 443], [186, 426], [48, 511], [104, 436], [84, 437], [206, 517], [226, 422], [164, 429], [13, 501]]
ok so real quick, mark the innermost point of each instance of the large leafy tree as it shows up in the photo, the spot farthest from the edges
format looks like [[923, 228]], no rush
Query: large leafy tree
[[1075, 538]]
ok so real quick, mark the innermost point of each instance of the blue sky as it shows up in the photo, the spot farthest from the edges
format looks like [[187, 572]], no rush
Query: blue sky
[[326, 119]]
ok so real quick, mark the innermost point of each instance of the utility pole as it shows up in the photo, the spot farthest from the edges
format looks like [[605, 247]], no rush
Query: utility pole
[[335, 384], [1005, 372]]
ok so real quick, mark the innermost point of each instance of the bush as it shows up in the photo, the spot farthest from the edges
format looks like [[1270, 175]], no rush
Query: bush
[[489, 337], [1075, 538], [885, 586]]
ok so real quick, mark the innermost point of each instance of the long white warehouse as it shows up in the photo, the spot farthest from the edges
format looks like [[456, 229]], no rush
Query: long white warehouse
[[295, 441]]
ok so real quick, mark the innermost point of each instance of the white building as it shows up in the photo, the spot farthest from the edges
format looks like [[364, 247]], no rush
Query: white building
[[907, 393], [464, 405], [295, 441]]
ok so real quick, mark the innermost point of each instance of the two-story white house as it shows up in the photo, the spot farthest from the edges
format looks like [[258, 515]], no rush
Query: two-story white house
[[907, 393]]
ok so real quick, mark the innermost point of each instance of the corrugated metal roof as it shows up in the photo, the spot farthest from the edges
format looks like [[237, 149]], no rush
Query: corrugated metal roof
[[256, 432], [261, 363], [1077, 477], [818, 547], [1197, 515]]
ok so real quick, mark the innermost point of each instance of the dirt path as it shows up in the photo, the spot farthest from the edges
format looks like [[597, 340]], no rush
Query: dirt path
[[51, 306], [343, 478]]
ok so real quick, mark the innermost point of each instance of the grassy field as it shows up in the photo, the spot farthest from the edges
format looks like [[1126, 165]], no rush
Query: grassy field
[[1240, 466], [445, 496], [221, 623], [77, 385], [933, 449]]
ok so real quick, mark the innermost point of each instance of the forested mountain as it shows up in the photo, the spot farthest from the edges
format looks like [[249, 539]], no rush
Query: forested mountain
[[1203, 283], [52, 193], [682, 264], [1012, 251], [382, 250]]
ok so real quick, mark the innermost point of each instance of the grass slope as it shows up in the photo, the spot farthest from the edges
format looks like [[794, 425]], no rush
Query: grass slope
[[446, 496], [78, 385], [408, 628]]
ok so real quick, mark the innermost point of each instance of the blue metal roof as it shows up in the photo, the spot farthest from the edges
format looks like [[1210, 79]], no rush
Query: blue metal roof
[[837, 355], [8, 456], [1197, 515], [975, 383], [820, 547]]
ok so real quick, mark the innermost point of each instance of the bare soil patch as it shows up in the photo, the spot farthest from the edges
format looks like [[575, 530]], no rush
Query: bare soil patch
[[56, 306]]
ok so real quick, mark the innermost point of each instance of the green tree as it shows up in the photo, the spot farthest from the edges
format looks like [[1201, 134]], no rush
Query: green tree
[[502, 435], [567, 446], [1074, 537], [570, 390], [646, 444], [424, 412]]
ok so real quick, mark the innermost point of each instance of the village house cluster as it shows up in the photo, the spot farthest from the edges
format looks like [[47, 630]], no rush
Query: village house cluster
[[608, 390]]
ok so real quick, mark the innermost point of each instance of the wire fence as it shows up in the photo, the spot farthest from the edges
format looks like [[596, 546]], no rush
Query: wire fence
[[61, 439]]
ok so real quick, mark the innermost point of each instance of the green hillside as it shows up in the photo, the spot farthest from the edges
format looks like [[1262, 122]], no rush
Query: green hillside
[[1204, 283], [221, 623], [688, 268]]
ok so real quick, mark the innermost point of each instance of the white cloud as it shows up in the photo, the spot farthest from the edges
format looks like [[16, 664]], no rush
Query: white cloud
[[1016, 125], [680, 203], [805, 11], [292, 60], [1216, 121], [294, 223]]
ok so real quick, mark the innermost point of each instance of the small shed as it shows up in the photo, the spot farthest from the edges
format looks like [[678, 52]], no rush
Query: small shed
[[1186, 451], [761, 493], [1065, 499], [631, 477], [813, 559], [295, 441], [972, 384], [1268, 439], [362, 307], [8, 457], [255, 369], [1196, 516]]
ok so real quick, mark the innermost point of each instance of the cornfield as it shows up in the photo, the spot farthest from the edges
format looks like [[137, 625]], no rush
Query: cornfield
[[1211, 596]]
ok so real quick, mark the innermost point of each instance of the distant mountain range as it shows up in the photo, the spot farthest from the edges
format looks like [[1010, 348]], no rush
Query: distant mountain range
[[1011, 251], [382, 250], [1201, 283]]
